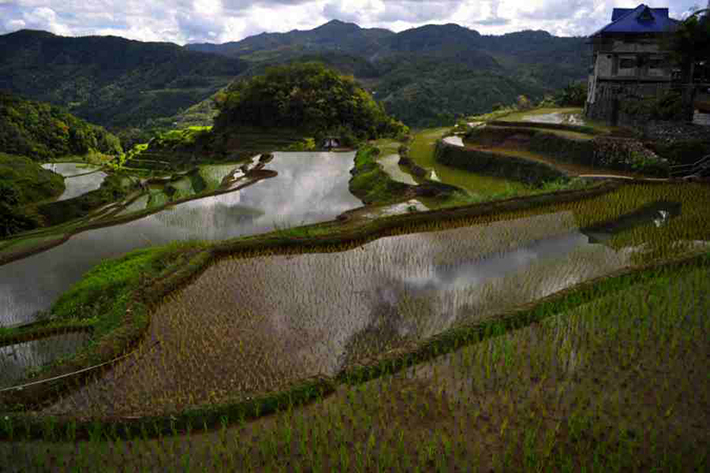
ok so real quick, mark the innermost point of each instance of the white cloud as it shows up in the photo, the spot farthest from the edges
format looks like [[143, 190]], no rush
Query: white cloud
[[45, 19], [182, 21], [15, 24]]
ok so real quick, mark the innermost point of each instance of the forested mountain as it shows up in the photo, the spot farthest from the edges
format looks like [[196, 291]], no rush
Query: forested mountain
[[42, 131], [424, 76], [108, 80], [333, 36]]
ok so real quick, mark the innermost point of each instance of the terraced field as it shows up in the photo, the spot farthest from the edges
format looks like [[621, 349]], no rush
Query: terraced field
[[544, 332]]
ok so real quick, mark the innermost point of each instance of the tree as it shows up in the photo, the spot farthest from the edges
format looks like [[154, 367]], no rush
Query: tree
[[306, 97], [690, 42], [689, 45]]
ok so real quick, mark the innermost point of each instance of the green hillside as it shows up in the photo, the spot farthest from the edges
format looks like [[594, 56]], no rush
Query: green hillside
[[424, 76], [43, 132], [429, 75], [111, 81]]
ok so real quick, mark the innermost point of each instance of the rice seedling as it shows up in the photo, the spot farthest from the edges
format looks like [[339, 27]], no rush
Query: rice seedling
[[617, 382]]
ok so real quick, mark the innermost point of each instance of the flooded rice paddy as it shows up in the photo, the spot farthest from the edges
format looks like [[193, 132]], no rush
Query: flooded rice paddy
[[557, 118], [309, 188], [251, 325], [79, 179], [17, 359]]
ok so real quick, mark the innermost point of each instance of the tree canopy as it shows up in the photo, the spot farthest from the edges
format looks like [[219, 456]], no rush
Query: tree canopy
[[42, 131], [691, 41], [308, 97]]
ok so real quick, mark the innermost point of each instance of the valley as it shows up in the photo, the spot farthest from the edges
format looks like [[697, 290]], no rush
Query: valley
[[343, 249]]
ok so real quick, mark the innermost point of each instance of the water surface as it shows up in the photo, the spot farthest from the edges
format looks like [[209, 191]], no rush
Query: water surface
[[454, 141], [557, 118], [390, 164], [290, 317], [16, 359], [79, 179], [309, 188]]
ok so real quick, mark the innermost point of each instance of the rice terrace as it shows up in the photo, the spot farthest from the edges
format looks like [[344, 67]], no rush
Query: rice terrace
[[310, 285]]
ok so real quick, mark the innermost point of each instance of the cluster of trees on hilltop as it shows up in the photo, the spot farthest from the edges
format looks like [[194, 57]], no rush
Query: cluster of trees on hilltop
[[42, 131], [307, 97]]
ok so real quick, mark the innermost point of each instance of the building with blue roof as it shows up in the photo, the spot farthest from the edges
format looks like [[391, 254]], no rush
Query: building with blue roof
[[629, 61]]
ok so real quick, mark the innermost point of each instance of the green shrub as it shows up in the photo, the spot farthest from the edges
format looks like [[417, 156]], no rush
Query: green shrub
[[27, 181], [15, 220], [666, 107], [574, 95], [682, 152], [9, 195]]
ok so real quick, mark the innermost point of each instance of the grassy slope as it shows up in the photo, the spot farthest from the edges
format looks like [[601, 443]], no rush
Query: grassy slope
[[370, 183]]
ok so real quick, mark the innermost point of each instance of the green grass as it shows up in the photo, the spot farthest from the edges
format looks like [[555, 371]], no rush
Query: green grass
[[370, 183], [477, 187]]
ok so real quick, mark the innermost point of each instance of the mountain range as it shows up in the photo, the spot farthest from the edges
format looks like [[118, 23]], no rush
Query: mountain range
[[424, 76]]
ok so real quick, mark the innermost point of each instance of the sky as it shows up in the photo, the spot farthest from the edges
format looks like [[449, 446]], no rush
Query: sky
[[219, 21]]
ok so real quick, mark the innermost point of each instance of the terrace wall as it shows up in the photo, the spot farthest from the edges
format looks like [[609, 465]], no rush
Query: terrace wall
[[604, 152], [538, 141], [492, 164]]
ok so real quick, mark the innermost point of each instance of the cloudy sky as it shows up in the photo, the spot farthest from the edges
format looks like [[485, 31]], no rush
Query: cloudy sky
[[183, 21]]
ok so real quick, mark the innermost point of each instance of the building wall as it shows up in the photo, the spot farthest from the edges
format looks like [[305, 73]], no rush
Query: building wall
[[610, 97], [643, 58], [604, 65], [625, 69]]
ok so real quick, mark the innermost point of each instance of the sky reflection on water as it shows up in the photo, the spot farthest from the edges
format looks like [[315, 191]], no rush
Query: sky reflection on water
[[309, 188]]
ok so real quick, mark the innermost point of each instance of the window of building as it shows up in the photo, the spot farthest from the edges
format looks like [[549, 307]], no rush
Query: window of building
[[627, 66], [657, 67], [627, 63]]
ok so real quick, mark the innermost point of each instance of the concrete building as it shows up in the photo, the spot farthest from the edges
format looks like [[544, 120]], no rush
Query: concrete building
[[629, 60]]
